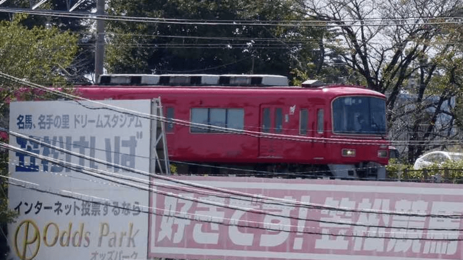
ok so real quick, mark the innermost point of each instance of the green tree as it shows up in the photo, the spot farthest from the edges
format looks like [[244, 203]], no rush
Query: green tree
[[195, 48], [39, 55], [84, 63]]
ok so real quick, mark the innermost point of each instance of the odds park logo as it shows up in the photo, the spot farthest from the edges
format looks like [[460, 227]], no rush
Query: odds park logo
[[28, 238]]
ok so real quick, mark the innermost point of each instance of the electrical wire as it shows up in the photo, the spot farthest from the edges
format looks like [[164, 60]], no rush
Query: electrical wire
[[298, 204], [215, 128], [394, 143], [57, 92], [336, 222], [300, 138], [279, 136], [113, 177], [253, 173], [225, 47], [305, 174], [250, 210], [250, 40], [360, 141], [211, 45], [217, 38], [254, 199], [231, 222], [210, 68], [378, 22], [179, 196], [204, 126], [186, 183]]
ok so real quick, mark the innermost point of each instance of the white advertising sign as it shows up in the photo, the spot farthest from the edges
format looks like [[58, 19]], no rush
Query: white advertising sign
[[96, 218], [346, 220]]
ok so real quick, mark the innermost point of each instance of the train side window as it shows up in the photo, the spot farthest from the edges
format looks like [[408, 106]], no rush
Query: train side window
[[266, 121], [320, 117], [199, 116], [278, 120], [304, 121], [235, 118], [170, 115], [217, 117]]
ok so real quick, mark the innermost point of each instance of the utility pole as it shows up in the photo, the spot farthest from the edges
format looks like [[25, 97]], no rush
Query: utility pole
[[100, 44]]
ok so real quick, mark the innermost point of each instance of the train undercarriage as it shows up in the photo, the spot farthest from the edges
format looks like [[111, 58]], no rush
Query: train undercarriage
[[367, 170]]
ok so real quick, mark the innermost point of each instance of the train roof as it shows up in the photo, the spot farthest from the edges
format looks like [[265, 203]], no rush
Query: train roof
[[194, 79], [333, 90], [227, 84]]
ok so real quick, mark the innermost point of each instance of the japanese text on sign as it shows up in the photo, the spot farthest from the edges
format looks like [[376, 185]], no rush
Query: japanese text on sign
[[261, 226], [66, 121]]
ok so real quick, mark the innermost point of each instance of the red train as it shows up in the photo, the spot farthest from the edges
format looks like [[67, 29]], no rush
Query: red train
[[258, 122]]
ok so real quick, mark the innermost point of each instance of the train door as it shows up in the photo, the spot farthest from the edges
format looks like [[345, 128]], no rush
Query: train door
[[271, 122], [170, 128], [319, 131]]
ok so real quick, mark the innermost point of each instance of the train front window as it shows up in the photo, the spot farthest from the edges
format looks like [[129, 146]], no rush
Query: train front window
[[359, 115]]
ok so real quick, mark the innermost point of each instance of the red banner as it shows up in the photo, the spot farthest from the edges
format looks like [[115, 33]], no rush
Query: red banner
[[311, 219]]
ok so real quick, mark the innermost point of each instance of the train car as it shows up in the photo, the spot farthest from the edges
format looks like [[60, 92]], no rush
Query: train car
[[258, 122]]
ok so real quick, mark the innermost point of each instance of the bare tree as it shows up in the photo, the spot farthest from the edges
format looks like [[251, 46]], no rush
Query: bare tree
[[392, 43]]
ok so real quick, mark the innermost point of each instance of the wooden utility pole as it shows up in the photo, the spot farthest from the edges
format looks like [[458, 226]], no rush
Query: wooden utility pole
[[100, 44]]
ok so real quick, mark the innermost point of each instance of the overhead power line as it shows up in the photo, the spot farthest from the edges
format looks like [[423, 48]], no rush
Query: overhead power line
[[253, 211], [211, 45], [256, 134], [167, 46], [255, 200], [377, 22], [218, 38], [246, 172], [186, 183], [230, 222], [250, 210], [305, 174], [311, 205], [283, 40], [117, 177], [156, 176]]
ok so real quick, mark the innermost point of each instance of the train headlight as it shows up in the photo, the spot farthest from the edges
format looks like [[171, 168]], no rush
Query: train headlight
[[382, 153], [348, 152]]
